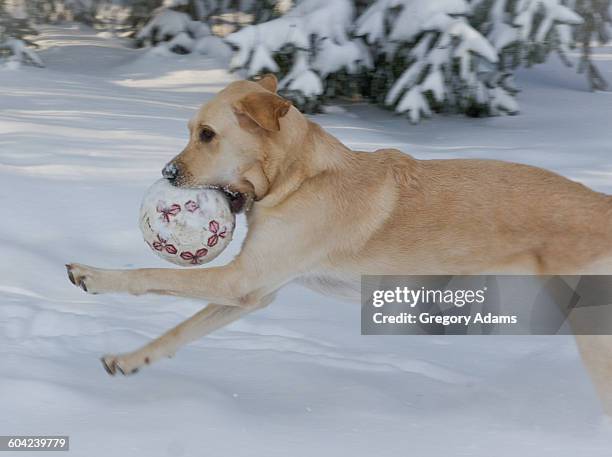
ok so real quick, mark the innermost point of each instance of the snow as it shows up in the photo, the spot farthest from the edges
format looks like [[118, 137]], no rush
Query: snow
[[301, 78], [502, 102], [83, 138], [415, 16], [437, 40], [553, 11], [503, 35], [213, 46], [333, 57], [20, 53], [321, 22], [173, 31], [471, 41], [182, 42], [165, 23], [262, 61], [414, 101]]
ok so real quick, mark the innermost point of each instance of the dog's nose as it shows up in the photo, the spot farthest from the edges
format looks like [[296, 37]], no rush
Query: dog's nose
[[170, 171]]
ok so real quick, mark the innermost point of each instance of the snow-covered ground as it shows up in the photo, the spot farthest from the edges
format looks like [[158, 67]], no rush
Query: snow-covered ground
[[80, 141]]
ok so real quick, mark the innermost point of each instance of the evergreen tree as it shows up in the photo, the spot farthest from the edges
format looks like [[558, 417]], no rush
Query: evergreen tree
[[424, 56], [524, 32], [184, 26], [544, 26], [15, 30], [141, 12], [432, 59], [596, 27], [309, 47]]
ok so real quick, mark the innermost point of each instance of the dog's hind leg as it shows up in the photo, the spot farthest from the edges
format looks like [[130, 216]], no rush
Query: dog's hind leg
[[202, 323], [596, 352]]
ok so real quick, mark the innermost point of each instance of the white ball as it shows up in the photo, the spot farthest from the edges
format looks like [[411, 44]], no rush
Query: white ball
[[187, 227]]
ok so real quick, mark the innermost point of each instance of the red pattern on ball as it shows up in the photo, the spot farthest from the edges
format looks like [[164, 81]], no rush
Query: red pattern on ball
[[191, 206], [213, 226], [195, 258], [163, 245], [167, 212]]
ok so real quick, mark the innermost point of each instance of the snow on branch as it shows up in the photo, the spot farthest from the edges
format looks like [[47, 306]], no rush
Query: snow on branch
[[458, 55], [596, 28], [171, 31], [430, 56], [174, 30], [544, 26], [305, 46], [20, 53], [443, 54], [533, 27]]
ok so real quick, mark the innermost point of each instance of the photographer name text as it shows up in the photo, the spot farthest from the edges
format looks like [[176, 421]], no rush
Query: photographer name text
[[412, 298]]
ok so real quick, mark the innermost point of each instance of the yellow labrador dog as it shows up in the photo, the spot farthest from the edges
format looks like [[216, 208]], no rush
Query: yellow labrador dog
[[324, 215]]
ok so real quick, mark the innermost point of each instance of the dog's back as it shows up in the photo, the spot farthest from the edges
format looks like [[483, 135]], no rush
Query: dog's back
[[469, 216]]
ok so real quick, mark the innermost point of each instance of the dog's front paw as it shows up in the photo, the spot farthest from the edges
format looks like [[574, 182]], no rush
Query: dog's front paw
[[91, 280], [124, 364]]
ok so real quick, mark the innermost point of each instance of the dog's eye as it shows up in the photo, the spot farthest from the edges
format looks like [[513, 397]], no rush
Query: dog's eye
[[206, 134]]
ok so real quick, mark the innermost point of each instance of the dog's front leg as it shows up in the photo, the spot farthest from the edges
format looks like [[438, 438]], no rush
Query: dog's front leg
[[276, 250], [202, 323], [266, 262], [269, 259], [228, 285], [236, 289]]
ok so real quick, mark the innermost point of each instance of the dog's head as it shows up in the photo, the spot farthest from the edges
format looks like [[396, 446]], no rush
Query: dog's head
[[232, 139]]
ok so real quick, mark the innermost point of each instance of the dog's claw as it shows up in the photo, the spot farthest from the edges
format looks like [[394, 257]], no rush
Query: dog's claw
[[85, 278], [110, 369], [70, 275]]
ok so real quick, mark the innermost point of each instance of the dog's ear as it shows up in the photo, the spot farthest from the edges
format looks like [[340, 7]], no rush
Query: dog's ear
[[268, 82], [263, 108]]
